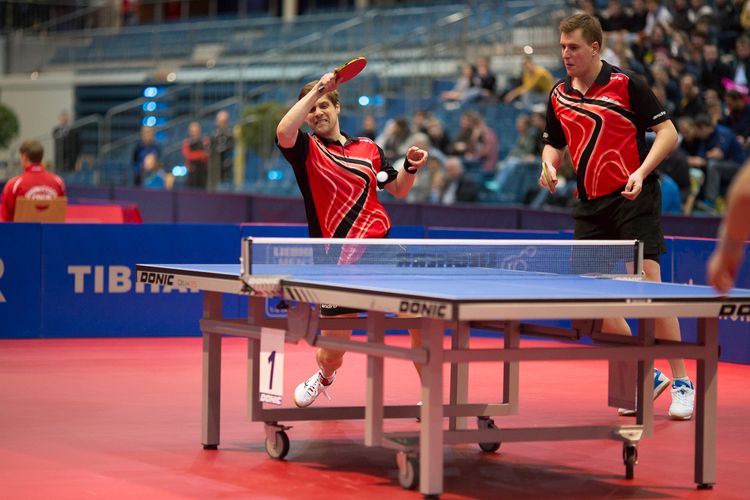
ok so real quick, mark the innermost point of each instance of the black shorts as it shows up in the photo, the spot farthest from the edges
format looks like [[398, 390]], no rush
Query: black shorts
[[331, 256], [614, 217]]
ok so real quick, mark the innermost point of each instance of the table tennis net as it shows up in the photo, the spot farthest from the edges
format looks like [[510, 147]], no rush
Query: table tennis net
[[287, 255]]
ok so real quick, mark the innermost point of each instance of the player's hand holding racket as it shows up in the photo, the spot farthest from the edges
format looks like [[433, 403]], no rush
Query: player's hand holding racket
[[548, 177], [330, 81]]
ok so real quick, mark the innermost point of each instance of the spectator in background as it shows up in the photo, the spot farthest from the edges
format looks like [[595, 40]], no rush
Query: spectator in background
[[713, 70], [146, 146], [662, 76], [369, 127], [154, 176], [465, 88], [637, 16], [485, 79], [438, 136], [614, 17], [524, 152], [536, 84], [35, 182], [426, 185], [457, 186], [691, 103], [67, 144], [741, 69], [195, 149], [738, 116], [722, 154], [477, 142], [394, 138], [419, 121], [222, 152]]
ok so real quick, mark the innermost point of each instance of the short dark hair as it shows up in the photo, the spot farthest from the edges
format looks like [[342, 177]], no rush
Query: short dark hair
[[703, 120], [332, 96], [33, 150], [590, 27]]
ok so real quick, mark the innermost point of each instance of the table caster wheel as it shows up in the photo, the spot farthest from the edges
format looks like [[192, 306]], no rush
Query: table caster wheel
[[487, 423], [408, 471], [278, 447], [630, 458]]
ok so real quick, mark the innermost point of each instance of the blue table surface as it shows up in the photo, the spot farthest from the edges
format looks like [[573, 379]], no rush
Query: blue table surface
[[465, 283]]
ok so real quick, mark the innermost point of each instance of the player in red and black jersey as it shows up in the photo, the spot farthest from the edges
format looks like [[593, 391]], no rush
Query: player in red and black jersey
[[338, 177], [601, 113]]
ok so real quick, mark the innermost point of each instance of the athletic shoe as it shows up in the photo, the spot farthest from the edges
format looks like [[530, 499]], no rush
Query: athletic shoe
[[307, 392], [683, 400], [661, 382]]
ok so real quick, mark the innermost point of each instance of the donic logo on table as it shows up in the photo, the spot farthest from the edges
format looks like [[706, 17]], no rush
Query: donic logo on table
[[732, 310], [431, 309]]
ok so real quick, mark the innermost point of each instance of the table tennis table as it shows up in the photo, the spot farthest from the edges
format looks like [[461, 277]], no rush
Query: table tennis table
[[456, 285]]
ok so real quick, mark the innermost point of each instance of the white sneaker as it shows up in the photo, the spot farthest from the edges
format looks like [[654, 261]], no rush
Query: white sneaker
[[307, 392], [683, 400], [661, 382]]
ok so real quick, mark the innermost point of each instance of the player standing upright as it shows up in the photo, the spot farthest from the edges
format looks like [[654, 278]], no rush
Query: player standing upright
[[337, 175], [601, 113]]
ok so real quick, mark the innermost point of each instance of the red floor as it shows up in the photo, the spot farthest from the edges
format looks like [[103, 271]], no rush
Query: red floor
[[121, 419]]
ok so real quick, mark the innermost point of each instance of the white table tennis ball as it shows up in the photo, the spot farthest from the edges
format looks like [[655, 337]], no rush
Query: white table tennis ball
[[382, 176]]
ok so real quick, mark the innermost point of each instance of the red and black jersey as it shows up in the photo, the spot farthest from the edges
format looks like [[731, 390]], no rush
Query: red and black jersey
[[605, 129], [338, 185], [34, 183]]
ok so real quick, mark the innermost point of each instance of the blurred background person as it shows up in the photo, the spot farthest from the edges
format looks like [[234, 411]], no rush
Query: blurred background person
[[536, 84], [146, 146], [456, 185], [195, 148], [67, 144], [154, 176], [222, 152]]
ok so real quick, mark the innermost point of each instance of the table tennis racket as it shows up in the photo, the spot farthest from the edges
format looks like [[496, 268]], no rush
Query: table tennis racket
[[547, 177], [347, 71]]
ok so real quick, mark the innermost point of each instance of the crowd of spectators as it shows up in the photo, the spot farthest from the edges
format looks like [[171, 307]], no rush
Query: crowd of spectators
[[695, 56]]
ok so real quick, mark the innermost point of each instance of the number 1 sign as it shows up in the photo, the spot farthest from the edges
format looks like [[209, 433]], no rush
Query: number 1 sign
[[271, 365]]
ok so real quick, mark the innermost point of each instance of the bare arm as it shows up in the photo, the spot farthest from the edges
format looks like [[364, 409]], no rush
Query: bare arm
[[726, 260], [288, 127], [665, 142], [415, 159]]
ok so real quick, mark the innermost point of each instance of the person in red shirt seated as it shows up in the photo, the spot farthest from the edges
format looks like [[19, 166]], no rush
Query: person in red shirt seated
[[35, 182]]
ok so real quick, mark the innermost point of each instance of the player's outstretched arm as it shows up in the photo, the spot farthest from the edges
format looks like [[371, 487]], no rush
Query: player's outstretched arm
[[726, 260], [288, 127], [415, 159]]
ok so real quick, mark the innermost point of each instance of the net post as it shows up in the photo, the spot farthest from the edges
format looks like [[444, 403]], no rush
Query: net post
[[246, 256], [638, 258]]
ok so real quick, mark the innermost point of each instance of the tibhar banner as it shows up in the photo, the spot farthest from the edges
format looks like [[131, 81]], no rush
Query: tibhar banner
[[20, 279], [78, 280]]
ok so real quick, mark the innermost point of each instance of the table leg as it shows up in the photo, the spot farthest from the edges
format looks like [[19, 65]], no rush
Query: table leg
[[431, 429], [459, 391], [374, 403], [705, 403], [211, 394]]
